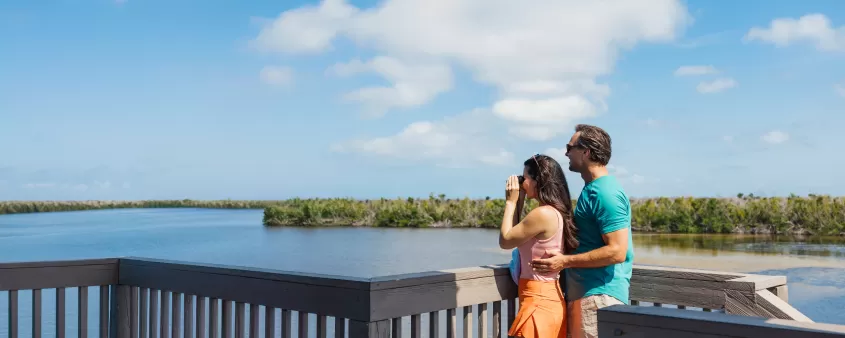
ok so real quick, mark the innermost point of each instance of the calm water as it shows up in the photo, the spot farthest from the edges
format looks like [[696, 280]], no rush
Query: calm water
[[815, 268]]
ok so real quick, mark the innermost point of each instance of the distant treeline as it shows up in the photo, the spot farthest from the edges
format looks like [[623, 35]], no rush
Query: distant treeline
[[820, 215], [21, 207]]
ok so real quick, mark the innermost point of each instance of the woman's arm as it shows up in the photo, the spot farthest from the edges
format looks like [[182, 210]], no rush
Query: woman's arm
[[512, 235]]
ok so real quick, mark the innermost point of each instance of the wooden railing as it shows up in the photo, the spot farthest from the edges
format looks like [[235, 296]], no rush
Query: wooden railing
[[155, 298], [646, 322]]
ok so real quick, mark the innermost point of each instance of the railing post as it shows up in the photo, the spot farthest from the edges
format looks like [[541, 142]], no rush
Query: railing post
[[119, 312], [377, 329]]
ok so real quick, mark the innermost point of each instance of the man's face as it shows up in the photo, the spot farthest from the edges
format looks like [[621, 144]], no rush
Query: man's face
[[576, 153]]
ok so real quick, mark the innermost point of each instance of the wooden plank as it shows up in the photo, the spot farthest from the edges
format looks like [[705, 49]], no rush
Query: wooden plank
[[175, 320], [105, 310], [740, 304], [82, 312], [481, 320], [377, 329], [439, 276], [13, 314], [254, 317], [269, 322], [155, 295], [240, 320], [271, 291], [202, 324], [434, 324], [287, 318], [58, 263], [303, 324], [123, 318], [134, 298], [253, 272], [339, 327], [779, 308], [188, 315], [759, 282], [405, 301], [497, 319], [678, 295], [61, 327], [395, 328], [682, 273], [710, 323], [610, 329], [36, 313], [214, 318], [165, 314], [466, 321], [416, 326], [43, 276], [143, 324], [781, 291]]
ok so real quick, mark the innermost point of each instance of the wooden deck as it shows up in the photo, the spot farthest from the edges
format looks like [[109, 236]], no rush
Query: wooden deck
[[137, 297]]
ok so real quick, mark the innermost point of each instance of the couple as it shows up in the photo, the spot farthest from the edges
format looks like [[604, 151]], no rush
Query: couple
[[590, 247]]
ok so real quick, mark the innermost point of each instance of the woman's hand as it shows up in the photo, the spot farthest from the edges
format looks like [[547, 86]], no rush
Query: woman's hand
[[512, 189]]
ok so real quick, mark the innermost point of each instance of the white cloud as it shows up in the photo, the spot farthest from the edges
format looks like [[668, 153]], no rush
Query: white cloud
[[543, 58], [39, 185], [307, 29], [695, 70], [276, 75], [728, 138], [813, 28], [624, 175], [454, 141], [775, 137], [839, 89], [715, 86], [413, 84], [102, 185]]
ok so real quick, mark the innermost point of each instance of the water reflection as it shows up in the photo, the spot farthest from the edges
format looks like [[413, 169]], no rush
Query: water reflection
[[713, 244]]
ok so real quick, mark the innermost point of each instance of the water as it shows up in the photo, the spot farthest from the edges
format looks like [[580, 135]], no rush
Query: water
[[815, 267]]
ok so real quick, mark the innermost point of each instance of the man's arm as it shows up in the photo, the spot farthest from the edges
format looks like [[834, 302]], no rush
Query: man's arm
[[613, 252], [612, 215]]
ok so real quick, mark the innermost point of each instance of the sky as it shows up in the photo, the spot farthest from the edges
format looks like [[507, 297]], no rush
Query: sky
[[155, 99]]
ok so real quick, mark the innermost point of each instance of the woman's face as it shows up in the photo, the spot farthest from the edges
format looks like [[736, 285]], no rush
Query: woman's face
[[529, 185]]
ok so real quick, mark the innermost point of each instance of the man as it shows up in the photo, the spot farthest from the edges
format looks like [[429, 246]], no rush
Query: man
[[598, 274]]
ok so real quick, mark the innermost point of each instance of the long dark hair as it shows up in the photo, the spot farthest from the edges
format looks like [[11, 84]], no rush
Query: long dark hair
[[553, 190]]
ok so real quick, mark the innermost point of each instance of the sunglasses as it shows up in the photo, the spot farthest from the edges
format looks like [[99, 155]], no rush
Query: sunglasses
[[569, 147]]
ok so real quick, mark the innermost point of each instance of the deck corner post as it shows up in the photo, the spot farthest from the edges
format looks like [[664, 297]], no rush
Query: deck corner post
[[377, 329], [119, 312], [781, 291]]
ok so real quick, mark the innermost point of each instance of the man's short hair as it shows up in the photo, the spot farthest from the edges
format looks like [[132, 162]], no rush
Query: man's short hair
[[596, 140]]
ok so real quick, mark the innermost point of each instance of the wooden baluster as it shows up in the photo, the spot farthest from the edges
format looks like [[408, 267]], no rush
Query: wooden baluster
[[481, 319], [396, 325], [433, 324], [61, 328], [339, 327], [188, 315], [466, 321], [416, 329], [82, 312], [36, 313], [322, 326], [214, 318], [13, 314], [143, 325], [240, 320], [105, 303], [154, 308], [287, 318], [269, 322], [166, 296], [303, 324], [202, 326], [133, 311], [497, 319], [175, 321]]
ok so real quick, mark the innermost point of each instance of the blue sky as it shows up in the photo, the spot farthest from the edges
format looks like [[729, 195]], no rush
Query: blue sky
[[153, 99]]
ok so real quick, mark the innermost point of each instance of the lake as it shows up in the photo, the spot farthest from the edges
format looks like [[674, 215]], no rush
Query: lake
[[815, 267]]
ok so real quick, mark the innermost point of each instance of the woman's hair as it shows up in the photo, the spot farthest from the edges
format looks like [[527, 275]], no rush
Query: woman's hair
[[553, 190]]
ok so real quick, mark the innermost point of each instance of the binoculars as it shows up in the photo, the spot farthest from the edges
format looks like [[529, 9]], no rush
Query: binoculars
[[521, 179]]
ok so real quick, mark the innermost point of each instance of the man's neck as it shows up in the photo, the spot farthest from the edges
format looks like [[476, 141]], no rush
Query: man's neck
[[593, 172]]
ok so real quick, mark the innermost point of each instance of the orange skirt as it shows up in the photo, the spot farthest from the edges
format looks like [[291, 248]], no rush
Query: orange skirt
[[542, 310]]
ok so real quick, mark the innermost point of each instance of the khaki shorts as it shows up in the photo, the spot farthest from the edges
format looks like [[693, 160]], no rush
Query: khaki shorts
[[583, 322]]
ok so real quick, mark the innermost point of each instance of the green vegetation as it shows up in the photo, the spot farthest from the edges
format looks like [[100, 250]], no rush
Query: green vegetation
[[818, 215]]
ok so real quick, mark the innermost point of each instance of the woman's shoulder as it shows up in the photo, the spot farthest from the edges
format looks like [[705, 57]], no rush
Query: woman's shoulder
[[544, 214]]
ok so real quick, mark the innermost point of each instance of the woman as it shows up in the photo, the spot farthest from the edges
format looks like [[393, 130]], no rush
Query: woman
[[549, 227]]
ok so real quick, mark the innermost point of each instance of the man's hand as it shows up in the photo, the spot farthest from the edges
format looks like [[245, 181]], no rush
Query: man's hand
[[551, 262]]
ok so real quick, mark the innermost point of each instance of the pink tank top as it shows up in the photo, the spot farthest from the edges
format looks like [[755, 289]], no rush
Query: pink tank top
[[536, 248]]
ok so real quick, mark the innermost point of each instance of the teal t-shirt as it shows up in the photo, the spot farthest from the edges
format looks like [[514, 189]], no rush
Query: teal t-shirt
[[602, 207]]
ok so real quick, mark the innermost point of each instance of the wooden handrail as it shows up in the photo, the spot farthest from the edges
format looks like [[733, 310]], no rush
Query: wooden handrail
[[138, 291]]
